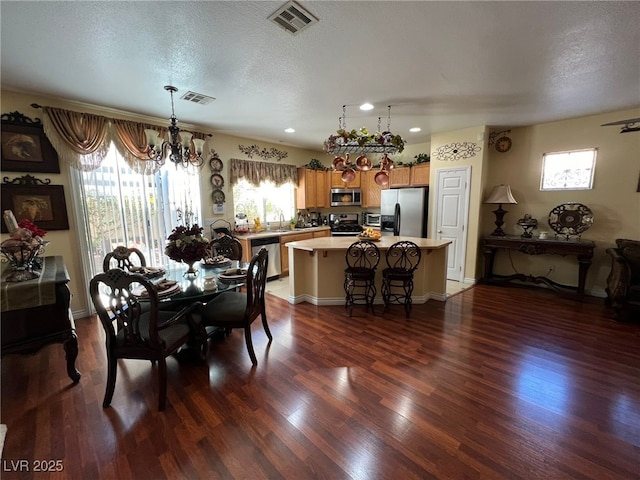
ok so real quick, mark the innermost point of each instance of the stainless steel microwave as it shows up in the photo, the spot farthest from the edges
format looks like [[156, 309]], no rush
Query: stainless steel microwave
[[344, 197]]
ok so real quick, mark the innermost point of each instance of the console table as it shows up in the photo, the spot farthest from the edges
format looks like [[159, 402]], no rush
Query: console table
[[581, 249], [36, 313]]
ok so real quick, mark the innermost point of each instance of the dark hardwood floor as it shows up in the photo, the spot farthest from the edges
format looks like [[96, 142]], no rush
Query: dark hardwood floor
[[496, 383]]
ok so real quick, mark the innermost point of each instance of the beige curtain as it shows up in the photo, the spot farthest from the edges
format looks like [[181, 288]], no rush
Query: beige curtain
[[81, 139], [257, 172], [131, 142]]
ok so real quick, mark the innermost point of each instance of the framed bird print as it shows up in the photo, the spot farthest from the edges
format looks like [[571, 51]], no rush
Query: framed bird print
[[25, 147]]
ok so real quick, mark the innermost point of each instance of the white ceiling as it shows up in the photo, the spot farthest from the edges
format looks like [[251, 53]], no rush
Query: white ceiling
[[441, 65]]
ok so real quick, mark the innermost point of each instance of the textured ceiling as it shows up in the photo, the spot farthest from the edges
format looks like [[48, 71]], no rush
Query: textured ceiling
[[441, 65]]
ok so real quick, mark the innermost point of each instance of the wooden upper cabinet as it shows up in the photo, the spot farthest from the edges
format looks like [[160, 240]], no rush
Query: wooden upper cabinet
[[400, 177], [371, 191], [312, 189], [420, 174], [336, 181], [322, 189]]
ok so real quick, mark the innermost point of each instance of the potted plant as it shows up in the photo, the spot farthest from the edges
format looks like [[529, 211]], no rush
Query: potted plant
[[422, 158], [292, 223], [315, 164]]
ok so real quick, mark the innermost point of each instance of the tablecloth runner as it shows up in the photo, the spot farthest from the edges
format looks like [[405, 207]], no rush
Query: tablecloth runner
[[36, 292]]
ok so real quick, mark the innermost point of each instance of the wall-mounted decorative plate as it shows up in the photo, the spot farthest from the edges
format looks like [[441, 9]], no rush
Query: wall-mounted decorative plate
[[218, 196], [216, 164], [217, 181], [570, 219]]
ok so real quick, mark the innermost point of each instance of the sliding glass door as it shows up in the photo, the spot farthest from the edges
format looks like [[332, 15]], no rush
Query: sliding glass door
[[122, 207]]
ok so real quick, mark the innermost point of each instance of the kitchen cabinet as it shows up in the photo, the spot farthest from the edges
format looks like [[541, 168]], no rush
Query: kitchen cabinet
[[312, 191], [420, 174], [371, 191], [246, 249], [336, 180], [284, 251], [400, 177], [414, 176]]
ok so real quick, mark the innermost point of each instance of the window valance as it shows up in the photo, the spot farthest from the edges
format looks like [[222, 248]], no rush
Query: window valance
[[82, 140], [257, 172]]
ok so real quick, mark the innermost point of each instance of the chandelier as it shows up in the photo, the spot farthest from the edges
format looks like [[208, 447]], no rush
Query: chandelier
[[361, 141], [179, 144]]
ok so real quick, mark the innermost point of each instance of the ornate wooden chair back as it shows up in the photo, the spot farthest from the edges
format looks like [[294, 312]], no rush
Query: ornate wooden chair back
[[141, 330], [231, 310], [226, 246], [125, 258]]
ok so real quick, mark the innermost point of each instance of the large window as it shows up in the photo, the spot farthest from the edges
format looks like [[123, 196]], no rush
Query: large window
[[122, 207], [267, 202], [568, 170]]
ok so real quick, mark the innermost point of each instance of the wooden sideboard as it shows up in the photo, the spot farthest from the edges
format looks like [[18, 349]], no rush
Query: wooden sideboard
[[36, 313], [581, 249]]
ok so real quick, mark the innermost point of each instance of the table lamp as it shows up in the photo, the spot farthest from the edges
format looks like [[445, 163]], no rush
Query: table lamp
[[500, 194]]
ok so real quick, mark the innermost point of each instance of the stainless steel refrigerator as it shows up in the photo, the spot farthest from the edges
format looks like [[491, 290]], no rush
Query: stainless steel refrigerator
[[404, 211]]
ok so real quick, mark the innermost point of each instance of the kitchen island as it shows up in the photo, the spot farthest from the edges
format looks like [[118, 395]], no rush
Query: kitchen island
[[316, 269]]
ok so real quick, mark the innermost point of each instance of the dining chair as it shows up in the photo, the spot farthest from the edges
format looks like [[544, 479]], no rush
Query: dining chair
[[233, 309], [142, 331], [362, 259], [397, 279], [125, 258], [227, 246]]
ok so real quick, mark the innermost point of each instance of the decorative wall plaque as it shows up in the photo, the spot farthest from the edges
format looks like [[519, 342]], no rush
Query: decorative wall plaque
[[264, 153], [457, 151]]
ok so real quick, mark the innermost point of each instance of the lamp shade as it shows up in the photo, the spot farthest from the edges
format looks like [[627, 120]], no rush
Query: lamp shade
[[185, 137], [199, 144], [501, 194], [153, 138]]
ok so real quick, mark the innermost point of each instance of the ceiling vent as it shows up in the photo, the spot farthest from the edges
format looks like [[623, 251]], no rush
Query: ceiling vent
[[293, 18], [197, 98]]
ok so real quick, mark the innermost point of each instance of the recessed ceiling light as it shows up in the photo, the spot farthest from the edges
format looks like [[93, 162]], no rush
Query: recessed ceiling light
[[415, 129], [290, 130], [366, 106]]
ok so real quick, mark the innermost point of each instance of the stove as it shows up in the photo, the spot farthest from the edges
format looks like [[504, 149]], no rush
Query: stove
[[344, 224]]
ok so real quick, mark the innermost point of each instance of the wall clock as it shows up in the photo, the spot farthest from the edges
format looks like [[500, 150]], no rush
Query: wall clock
[[503, 144]]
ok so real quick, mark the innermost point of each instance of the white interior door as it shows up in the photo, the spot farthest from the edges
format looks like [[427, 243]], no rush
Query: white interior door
[[452, 214]]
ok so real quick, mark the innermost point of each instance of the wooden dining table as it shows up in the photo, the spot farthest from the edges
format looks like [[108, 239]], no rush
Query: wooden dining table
[[192, 289]]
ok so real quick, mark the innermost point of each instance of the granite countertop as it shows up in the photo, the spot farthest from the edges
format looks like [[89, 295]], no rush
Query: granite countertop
[[342, 243], [281, 233]]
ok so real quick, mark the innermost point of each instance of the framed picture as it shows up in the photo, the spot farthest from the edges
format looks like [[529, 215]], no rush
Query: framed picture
[[43, 204], [25, 147]]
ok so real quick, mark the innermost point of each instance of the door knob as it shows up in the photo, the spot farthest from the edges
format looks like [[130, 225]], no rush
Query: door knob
[[439, 231]]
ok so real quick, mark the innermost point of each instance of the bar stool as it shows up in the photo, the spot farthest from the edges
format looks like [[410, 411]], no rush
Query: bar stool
[[397, 279], [362, 258]]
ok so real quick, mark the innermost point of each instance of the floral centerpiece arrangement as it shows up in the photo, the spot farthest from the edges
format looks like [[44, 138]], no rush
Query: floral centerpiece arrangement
[[22, 248], [187, 244]]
